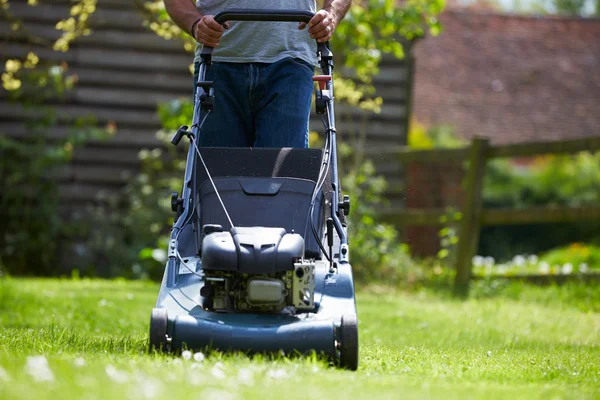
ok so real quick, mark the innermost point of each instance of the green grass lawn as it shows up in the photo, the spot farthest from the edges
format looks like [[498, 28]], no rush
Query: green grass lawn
[[86, 339]]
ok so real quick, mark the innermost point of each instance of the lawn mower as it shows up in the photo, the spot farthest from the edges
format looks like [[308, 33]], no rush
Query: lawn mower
[[258, 256]]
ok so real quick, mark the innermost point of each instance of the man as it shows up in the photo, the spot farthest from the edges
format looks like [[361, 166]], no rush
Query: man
[[262, 70]]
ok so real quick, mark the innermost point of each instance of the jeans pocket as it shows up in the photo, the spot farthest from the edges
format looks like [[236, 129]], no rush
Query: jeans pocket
[[300, 62]]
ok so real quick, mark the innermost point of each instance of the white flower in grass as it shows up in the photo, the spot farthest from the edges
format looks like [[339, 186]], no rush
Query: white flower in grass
[[217, 371], [115, 375], [186, 354], [567, 268], [544, 268], [4, 377], [532, 259], [37, 367], [79, 362], [246, 377], [583, 268], [501, 269], [277, 374], [149, 387], [198, 357], [519, 261], [102, 303], [489, 353], [489, 261], [193, 377], [477, 261]]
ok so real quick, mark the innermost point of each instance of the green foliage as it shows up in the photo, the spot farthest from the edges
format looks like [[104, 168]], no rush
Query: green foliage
[[133, 243], [434, 137], [29, 167], [570, 180], [114, 234], [577, 8], [33, 226], [375, 27], [576, 254], [71, 28], [553, 180], [375, 249], [449, 235]]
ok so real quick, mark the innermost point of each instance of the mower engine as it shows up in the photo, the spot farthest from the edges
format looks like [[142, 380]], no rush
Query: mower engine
[[256, 269]]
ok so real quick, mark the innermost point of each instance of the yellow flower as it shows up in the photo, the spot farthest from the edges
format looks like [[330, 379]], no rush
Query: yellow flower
[[32, 60], [12, 66], [9, 82]]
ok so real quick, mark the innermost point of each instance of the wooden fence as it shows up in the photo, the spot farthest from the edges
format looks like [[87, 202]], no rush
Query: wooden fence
[[473, 214]]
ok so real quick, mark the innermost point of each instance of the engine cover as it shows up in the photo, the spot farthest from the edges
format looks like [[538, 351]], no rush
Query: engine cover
[[252, 250]]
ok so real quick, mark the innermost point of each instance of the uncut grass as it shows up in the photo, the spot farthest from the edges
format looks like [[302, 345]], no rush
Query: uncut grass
[[520, 343]]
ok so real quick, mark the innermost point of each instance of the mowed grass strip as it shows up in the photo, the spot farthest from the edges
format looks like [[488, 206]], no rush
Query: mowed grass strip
[[88, 338]]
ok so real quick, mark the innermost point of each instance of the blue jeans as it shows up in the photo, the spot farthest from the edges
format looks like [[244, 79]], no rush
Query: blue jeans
[[258, 105]]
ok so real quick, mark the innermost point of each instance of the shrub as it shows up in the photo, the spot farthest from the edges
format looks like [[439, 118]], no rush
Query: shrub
[[375, 249], [576, 254], [551, 180], [32, 226]]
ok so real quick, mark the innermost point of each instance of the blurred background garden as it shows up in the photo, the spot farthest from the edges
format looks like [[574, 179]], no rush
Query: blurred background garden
[[469, 138]]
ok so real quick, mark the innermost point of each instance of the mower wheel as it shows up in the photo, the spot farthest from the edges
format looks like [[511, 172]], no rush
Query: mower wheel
[[349, 345], [158, 330]]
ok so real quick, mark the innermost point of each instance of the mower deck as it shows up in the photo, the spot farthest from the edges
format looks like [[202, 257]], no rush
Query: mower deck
[[189, 325]]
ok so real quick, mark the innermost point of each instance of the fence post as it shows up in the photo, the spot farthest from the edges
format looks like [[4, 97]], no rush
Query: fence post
[[471, 216]]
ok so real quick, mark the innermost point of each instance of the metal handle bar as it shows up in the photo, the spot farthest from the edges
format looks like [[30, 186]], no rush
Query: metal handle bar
[[242, 14]]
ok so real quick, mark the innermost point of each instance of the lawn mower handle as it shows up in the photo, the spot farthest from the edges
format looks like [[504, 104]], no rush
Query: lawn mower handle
[[242, 14]]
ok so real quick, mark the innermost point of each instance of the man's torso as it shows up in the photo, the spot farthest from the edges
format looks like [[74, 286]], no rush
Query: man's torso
[[267, 42]]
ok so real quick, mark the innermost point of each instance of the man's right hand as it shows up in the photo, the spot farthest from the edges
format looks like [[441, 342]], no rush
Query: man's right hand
[[208, 31]]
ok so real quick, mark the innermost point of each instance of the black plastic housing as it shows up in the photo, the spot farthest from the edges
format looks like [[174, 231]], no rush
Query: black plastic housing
[[253, 250], [264, 202]]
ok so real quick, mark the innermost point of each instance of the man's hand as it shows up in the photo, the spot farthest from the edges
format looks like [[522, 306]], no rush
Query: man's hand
[[208, 31], [321, 26]]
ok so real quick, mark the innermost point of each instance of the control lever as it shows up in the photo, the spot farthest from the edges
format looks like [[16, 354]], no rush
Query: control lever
[[330, 242], [183, 130]]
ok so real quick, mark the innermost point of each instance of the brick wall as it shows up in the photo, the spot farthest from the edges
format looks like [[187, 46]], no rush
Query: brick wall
[[431, 185]]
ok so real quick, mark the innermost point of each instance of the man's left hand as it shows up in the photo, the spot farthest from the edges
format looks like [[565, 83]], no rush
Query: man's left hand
[[321, 26]]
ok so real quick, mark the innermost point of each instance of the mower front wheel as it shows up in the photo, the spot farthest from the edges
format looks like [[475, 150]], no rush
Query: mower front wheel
[[158, 330], [349, 345]]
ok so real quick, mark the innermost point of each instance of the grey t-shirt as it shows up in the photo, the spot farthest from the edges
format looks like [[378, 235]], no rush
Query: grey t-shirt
[[266, 42]]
